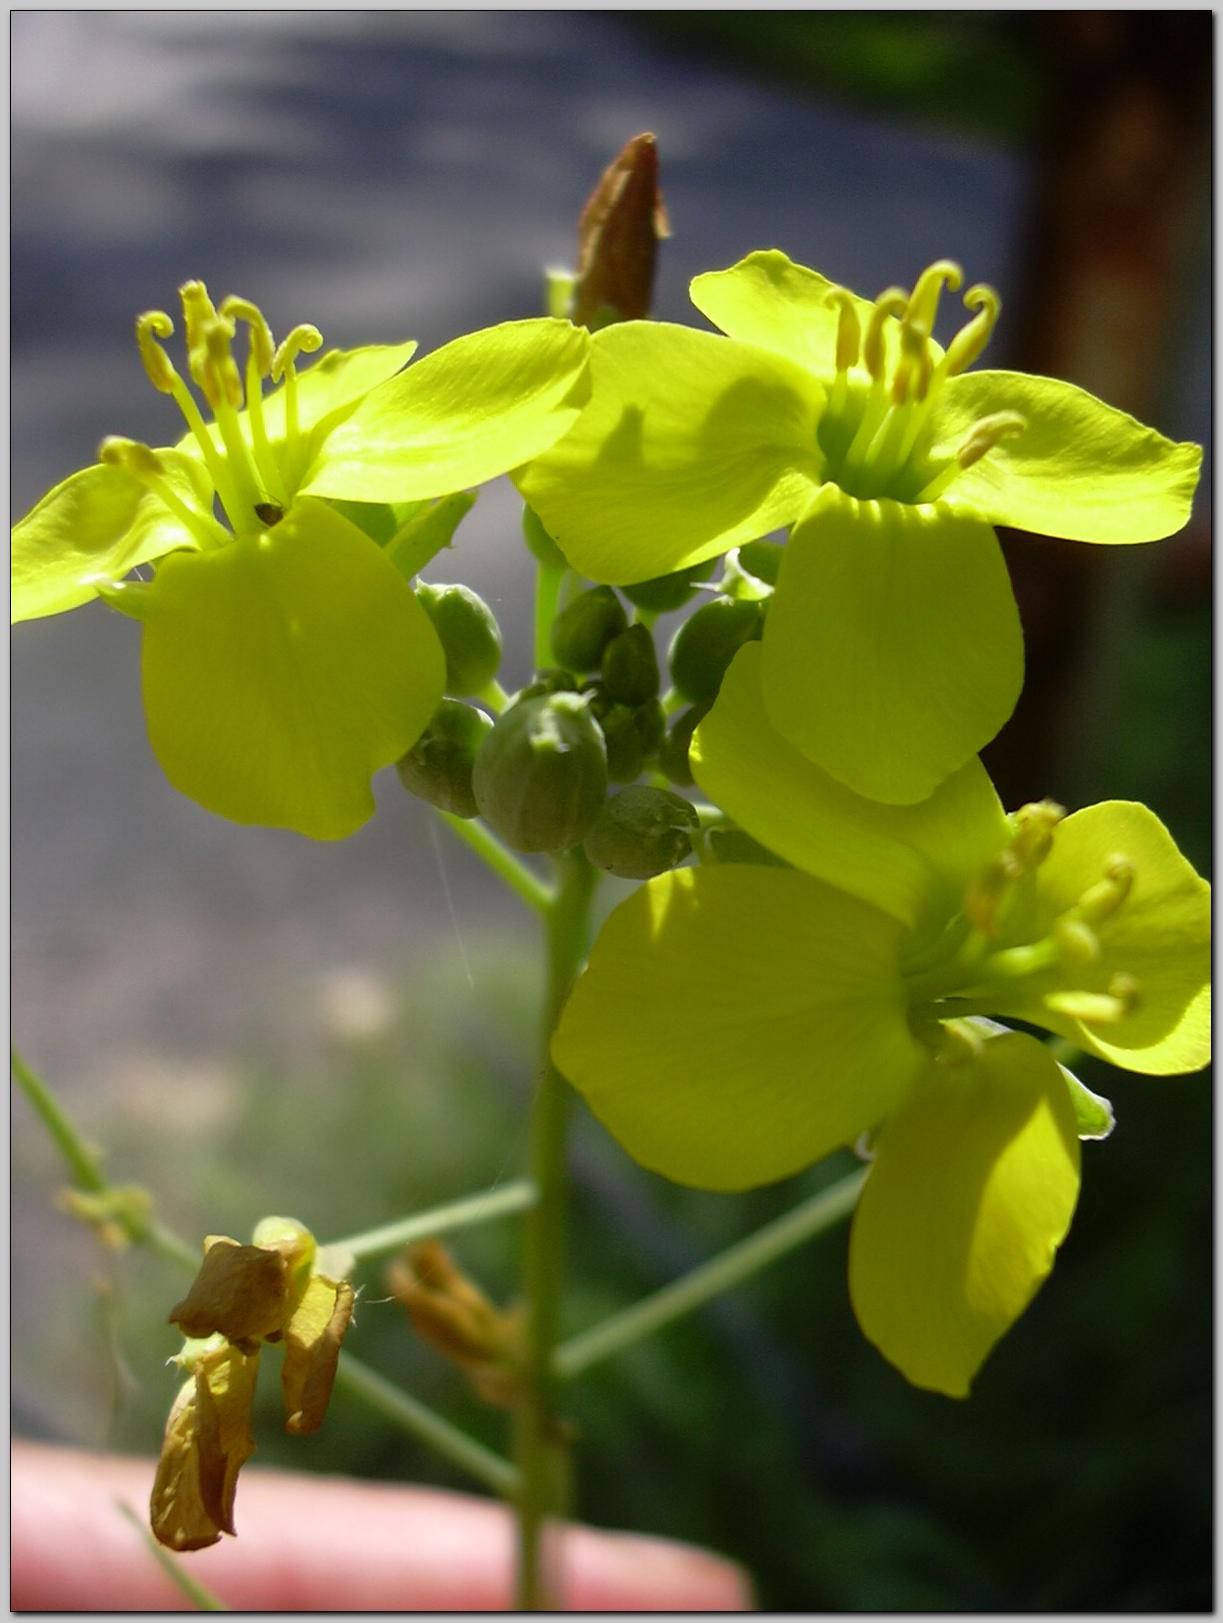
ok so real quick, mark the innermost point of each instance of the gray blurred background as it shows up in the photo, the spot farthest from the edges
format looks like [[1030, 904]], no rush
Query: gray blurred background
[[224, 1007]]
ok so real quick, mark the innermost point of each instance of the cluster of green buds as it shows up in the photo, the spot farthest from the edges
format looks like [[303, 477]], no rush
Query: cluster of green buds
[[541, 772]]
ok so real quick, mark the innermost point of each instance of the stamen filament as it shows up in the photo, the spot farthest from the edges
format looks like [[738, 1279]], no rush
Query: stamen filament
[[305, 339], [141, 463], [1000, 425], [969, 343], [216, 464], [260, 357]]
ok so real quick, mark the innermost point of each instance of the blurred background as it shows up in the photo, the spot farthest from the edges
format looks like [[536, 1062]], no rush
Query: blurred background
[[249, 1022]]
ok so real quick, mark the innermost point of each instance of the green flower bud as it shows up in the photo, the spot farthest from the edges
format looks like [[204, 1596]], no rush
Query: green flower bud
[[667, 592], [541, 774], [545, 682], [540, 544], [651, 722], [439, 767], [630, 667], [673, 752], [641, 832], [469, 635], [583, 630], [626, 755], [707, 642]]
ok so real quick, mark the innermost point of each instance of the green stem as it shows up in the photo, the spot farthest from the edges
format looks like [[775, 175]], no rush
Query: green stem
[[404, 1411], [203, 1600], [494, 696], [394, 1404], [540, 1444], [82, 1161], [548, 579], [534, 892], [456, 1214], [720, 1274]]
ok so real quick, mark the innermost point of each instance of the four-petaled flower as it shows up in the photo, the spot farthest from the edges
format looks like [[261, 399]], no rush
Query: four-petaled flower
[[737, 1023], [244, 1295], [893, 650], [285, 659]]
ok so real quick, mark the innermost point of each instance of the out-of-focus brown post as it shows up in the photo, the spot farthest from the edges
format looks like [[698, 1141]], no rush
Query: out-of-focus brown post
[[1123, 163]]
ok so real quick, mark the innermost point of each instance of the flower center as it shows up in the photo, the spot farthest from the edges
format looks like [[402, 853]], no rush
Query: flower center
[[876, 430], [254, 477], [1009, 951]]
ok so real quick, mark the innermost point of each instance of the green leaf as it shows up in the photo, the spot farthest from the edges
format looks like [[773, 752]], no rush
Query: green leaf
[[973, 1188], [690, 445], [737, 1023], [1081, 470], [471, 410], [1159, 935], [914, 862], [893, 650], [96, 526], [282, 671]]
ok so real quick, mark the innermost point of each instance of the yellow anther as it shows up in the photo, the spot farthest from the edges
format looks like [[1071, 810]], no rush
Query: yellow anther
[[1126, 989], [1001, 425], [893, 301], [849, 329], [983, 896], [302, 340], [1091, 1008], [219, 377], [923, 306], [263, 348], [972, 338], [1078, 946], [1103, 899], [1035, 824], [199, 313], [151, 326], [130, 455], [913, 372]]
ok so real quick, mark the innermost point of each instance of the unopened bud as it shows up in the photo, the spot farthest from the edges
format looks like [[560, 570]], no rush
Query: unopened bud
[[541, 774], [618, 235], [641, 832], [707, 642], [626, 754], [673, 752], [439, 767], [630, 667], [584, 628], [469, 635], [665, 593]]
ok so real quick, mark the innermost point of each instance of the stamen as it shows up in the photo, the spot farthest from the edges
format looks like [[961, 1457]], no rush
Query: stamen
[[258, 366], [959, 1045], [1103, 899], [894, 302], [1097, 1008], [923, 306], [984, 896], [1078, 945], [1035, 824], [849, 329], [199, 313], [1001, 425], [143, 464], [914, 369], [303, 339], [151, 326], [220, 379], [970, 341]]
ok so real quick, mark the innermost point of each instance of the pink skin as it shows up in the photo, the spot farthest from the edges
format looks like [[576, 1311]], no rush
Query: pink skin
[[323, 1544]]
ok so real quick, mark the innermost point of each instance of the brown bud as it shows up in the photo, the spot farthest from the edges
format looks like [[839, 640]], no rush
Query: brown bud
[[455, 1317], [618, 235]]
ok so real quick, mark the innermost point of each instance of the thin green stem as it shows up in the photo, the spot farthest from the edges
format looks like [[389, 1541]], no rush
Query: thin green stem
[[548, 580], [404, 1411], [721, 1273], [352, 1375], [82, 1161], [534, 892], [202, 1599], [540, 1445], [494, 696], [456, 1214]]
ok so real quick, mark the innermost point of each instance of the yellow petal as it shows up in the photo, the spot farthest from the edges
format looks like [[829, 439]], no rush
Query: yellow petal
[[312, 1351], [207, 1441]]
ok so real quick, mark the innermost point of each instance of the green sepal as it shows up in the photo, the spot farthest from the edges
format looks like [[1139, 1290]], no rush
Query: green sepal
[[427, 530]]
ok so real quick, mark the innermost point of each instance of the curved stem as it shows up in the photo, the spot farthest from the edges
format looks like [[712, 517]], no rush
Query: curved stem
[[540, 1441], [720, 1274], [456, 1214], [534, 892]]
